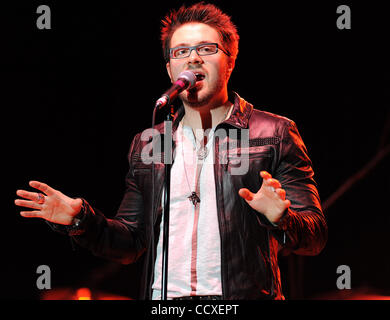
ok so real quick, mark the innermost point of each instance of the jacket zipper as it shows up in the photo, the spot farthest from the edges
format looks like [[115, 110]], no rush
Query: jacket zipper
[[153, 254], [217, 179]]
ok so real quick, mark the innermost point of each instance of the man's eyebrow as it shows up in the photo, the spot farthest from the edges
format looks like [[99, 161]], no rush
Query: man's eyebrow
[[185, 44]]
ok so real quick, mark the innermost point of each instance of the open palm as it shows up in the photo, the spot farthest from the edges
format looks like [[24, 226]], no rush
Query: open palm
[[52, 205], [270, 199]]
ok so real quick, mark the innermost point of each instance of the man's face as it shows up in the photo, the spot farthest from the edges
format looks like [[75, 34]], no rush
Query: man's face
[[216, 68]]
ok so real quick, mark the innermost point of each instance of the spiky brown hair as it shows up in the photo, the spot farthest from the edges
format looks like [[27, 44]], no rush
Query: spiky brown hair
[[203, 13]]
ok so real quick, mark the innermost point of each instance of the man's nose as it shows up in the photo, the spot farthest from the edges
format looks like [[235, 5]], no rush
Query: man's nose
[[194, 58]]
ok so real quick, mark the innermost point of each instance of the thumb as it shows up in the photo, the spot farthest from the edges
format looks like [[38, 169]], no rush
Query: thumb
[[246, 194]]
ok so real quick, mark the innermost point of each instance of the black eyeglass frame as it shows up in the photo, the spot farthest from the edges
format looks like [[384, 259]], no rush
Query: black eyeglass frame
[[196, 49]]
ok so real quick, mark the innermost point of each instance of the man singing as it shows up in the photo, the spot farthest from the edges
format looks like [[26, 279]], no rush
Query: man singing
[[226, 225]]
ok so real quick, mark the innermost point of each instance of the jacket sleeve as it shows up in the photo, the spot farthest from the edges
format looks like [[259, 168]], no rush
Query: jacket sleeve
[[303, 225], [123, 237]]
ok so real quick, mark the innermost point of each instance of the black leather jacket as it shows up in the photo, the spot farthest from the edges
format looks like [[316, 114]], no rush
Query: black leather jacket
[[249, 242]]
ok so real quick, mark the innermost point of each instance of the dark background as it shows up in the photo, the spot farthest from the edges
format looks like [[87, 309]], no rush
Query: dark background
[[73, 97]]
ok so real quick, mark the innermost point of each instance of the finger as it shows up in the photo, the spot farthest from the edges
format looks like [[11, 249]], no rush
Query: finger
[[42, 186], [265, 175], [28, 204], [287, 203], [271, 182], [281, 193], [246, 194], [27, 195], [31, 214]]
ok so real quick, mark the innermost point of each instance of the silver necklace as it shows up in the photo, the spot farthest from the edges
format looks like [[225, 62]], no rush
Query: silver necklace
[[194, 196], [201, 154], [202, 151]]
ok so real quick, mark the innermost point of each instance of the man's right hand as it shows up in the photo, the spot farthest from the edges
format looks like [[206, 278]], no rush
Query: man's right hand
[[52, 205]]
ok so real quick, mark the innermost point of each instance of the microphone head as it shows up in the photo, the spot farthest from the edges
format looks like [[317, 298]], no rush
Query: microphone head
[[188, 76]]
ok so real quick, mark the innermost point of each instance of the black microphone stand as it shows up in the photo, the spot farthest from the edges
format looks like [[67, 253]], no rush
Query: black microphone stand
[[168, 157], [187, 78]]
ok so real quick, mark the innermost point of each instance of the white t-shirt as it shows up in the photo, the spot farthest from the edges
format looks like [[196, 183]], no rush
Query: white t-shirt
[[194, 256]]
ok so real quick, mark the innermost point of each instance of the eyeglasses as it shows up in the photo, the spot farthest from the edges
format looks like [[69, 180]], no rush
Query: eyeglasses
[[204, 49]]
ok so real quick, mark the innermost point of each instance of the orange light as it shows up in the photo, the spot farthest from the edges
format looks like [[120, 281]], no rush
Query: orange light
[[83, 294]]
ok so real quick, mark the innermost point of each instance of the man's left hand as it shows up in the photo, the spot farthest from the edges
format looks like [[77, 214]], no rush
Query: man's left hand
[[270, 200]]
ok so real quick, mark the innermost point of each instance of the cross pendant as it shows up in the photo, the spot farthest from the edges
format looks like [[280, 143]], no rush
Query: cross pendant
[[194, 198]]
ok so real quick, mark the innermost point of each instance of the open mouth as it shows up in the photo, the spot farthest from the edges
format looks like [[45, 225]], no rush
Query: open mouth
[[199, 76]]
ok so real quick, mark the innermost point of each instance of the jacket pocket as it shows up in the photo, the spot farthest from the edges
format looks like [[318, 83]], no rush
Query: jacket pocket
[[241, 164], [141, 168]]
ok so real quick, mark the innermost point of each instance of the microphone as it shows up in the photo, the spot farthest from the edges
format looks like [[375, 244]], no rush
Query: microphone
[[185, 80]]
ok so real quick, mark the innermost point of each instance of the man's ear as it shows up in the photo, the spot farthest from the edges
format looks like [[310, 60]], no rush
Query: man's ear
[[168, 66], [231, 64]]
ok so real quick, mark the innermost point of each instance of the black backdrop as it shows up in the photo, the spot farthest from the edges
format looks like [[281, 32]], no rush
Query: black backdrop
[[74, 96]]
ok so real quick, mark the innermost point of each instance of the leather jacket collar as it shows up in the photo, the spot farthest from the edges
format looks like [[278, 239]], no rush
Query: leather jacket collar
[[239, 117]]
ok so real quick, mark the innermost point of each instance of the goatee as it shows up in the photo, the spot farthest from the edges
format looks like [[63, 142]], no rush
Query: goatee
[[195, 99]]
